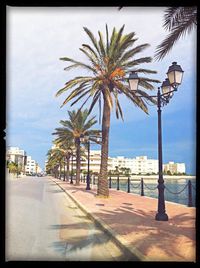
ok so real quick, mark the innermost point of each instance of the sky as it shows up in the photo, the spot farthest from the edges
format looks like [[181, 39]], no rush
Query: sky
[[38, 36]]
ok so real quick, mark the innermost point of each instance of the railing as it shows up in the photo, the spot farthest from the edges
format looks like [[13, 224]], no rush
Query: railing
[[129, 186]]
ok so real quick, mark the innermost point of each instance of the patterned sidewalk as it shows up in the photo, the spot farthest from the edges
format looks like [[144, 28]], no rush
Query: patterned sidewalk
[[130, 219]]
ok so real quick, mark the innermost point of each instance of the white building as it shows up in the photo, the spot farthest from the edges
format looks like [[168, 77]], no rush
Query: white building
[[16, 155], [143, 165], [32, 166], [122, 162], [174, 168], [138, 165], [95, 161]]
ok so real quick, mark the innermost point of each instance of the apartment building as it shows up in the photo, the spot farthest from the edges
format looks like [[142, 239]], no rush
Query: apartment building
[[143, 165], [138, 165], [174, 168], [95, 161], [32, 166], [16, 155]]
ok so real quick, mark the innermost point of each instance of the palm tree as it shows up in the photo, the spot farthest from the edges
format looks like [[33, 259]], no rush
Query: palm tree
[[12, 167], [77, 125], [52, 165], [179, 21], [109, 62], [56, 159], [66, 146]]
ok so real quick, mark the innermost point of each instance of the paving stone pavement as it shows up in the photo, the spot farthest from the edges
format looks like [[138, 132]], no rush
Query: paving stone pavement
[[130, 219]]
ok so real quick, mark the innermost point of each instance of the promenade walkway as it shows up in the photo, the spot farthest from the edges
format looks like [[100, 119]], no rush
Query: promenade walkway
[[130, 219]]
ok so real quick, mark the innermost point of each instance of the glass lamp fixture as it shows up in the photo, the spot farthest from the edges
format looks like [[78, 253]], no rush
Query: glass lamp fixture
[[133, 81], [86, 137], [175, 74], [166, 88], [82, 138], [98, 139]]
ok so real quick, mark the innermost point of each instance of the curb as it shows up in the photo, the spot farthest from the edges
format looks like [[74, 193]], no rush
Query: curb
[[120, 241]]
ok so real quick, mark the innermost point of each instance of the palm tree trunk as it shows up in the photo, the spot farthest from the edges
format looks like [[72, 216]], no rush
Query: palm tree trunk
[[67, 171], [78, 161], [64, 171], [103, 189], [60, 171]]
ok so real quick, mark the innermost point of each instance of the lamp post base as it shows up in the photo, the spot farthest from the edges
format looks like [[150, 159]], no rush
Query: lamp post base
[[88, 188], [161, 217]]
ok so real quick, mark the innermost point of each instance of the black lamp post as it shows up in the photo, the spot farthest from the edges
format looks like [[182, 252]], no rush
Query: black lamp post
[[175, 74], [71, 181], [88, 139], [88, 172], [85, 138]]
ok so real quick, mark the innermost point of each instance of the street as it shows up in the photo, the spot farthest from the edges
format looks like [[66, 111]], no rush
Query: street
[[43, 223]]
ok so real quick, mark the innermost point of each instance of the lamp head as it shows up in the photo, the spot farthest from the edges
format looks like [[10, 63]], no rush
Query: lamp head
[[133, 80], [166, 88], [175, 74]]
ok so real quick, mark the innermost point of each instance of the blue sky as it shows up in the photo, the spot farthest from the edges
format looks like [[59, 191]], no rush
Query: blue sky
[[38, 37]]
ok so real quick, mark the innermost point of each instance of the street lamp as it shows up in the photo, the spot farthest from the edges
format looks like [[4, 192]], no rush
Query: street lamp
[[85, 138], [72, 163], [175, 74]]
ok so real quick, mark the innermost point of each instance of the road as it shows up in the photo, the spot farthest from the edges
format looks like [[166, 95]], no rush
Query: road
[[43, 223]]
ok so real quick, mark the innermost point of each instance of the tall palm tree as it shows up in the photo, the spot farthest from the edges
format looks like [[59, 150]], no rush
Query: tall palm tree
[[52, 164], [109, 62], [178, 21], [56, 157], [65, 145], [77, 125]]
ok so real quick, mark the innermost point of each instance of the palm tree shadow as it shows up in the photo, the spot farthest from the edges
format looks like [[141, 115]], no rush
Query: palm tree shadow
[[76, 243], [149, 232]]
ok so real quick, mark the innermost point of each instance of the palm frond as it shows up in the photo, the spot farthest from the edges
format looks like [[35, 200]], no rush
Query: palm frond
[[145, 71], [72, 83], [127, 55], [179, 21], [80, 97], [137, 101], [115, 43], [91, 50], [92, 38], [95, 98], [101, 45], [107, 40], [118, 109], [168, 43], [77, 64], [91, 58]]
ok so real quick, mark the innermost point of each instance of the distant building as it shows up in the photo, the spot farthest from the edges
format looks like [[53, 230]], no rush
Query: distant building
[[95, 161], [32, 166], [174, 168], [143, 165], [138, 165], [16, 155]]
